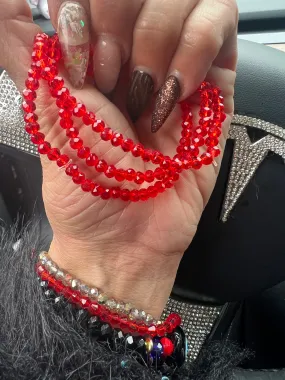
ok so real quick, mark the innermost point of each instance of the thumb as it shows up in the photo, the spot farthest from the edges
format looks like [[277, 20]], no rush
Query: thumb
[[17, 32]]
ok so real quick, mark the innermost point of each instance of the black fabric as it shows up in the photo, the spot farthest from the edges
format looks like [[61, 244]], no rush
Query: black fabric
[[233, 260]]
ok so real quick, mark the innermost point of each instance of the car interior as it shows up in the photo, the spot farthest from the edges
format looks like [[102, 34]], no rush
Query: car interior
[[236, 263]]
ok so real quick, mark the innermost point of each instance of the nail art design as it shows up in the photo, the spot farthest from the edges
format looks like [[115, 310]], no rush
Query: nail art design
[[166, 99], [73, 32], [139, 93]]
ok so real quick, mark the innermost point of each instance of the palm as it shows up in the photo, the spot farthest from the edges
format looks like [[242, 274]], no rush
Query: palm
[[165, 224]]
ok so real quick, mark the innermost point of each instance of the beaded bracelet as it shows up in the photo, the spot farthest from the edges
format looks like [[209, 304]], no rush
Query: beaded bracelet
[[95, 294], [115, 319], [157, 352]]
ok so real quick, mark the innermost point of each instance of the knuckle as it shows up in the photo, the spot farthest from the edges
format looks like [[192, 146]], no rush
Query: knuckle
[[154, 22]]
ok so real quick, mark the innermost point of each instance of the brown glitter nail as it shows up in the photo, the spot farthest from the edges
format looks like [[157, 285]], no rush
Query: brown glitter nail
[[141, 90], [166, 99]]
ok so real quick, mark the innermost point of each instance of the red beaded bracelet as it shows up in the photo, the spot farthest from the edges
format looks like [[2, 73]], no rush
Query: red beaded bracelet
[[105, 315], [45, 59]]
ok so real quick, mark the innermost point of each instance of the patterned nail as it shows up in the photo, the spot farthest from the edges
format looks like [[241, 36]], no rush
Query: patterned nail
[[73, 32], [140, 91], [166, 99]]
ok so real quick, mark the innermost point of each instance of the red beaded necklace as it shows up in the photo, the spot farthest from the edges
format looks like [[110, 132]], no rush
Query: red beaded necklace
[[45, 58]]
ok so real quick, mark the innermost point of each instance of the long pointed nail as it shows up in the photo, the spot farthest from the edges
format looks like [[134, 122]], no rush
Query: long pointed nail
[[166, 99], [73, 33], [140, 92]]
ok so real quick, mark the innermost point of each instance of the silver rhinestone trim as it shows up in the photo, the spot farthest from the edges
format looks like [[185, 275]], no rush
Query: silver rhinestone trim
[[197, 323], [248, 156], [12, 132]]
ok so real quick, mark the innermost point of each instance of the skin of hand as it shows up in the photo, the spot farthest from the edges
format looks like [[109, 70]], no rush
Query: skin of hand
[[129, 250]]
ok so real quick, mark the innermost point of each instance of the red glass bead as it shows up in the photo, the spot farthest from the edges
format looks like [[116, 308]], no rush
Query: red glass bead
[[32, 128], [53, 154], [107, 194], [207, 158], [98, 126], [110, 172], [127, 145], [193, 150], [152, 191], [117, 139], [200, 132], [78, 178], [149, 176], [143, 194], [157, 158], [71, 170], [97, 191], [204, 112], [101, 166], [49, 73], [168, 346], [88, 118], [87, 185], [107, 134], [76, 296], [116, 192], [44, 147], [160, 186], [161, 330], [80, 110], [72, 133], [137, 150], [63, 93], [34, 73], [186, 125], [183, 142], [139, 178], [125, 195], [57, 83], [55, 54], [152, 331], [134, 196], [28, 106], [166, 163], [187, 133], [214, 132], [62, 160], [76, 143], [32, 84], [67, 292], [37, 55], [210, 141], [147, 155], [69, 103], [58, 287], [92, 160], [95, 309], [130, 174], [142, 330], [218, 108], [65, 114], [168, 327], [66, 124], [159, 173], [120, 175], [40, 269], [206, 103], [29, 95], [38, 138], [198, 141], [196, 163], [214, 151], [105, 315], [83, 152]]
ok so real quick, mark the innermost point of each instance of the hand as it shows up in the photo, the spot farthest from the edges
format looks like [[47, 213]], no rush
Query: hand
[[130, 250]]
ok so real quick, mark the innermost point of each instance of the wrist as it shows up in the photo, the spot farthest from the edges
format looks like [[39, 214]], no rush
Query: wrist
[[126, 273]]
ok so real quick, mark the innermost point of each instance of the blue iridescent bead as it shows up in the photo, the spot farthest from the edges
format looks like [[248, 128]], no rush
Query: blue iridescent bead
[[157, 349]]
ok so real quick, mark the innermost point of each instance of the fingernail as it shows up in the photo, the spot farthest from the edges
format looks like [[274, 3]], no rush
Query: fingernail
[[107, 64], [140, 92], [166, 99], [73, 33]]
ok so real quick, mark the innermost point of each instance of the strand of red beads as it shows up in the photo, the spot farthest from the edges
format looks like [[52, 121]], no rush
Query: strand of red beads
[[113, 319], [45, 58]]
